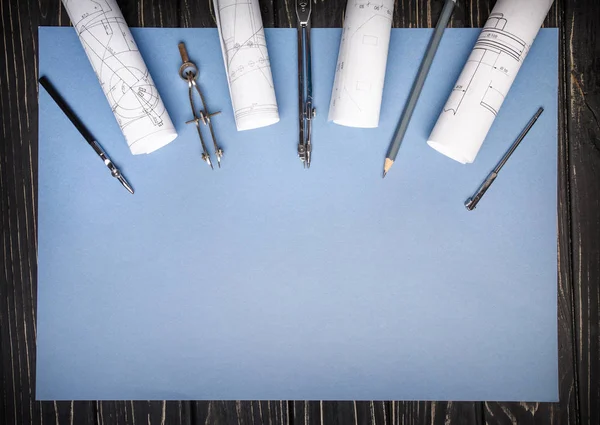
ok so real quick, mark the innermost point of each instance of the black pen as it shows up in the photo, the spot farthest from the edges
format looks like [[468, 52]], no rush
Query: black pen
[[114, 171], [472, 202]]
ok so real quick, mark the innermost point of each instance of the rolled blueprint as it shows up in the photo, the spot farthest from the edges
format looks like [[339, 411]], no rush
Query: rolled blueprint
[[122, 73], [360, 69], [487, 77], [246, 63]]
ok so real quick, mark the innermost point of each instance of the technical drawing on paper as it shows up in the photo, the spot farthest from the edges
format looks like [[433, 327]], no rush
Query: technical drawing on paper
[[499, 54], [246, 63], [487, 77], [360, 70], [122, 73]]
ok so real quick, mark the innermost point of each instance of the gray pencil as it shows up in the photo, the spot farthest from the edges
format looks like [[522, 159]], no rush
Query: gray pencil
[[418, 84]]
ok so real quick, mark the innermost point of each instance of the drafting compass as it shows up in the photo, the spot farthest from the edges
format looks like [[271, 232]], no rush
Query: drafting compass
[[189, 72], [306, 112]]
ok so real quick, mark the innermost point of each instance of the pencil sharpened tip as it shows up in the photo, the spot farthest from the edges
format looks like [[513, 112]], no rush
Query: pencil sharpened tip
[[386, 166]]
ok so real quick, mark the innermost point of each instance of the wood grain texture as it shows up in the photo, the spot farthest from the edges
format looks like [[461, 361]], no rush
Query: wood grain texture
[[240, 412], [140, 412], [18, 175], [342, 412], [583, 130], [578, 225], [387, 412]]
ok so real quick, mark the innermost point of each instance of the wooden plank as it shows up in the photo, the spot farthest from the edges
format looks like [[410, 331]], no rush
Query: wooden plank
[[144, 412], [201, 14], [18, 173], [196, 14], [150, 13], [583, 127], [437, 413], [342, 412], [66, 413], [240, 412], [386, 412]]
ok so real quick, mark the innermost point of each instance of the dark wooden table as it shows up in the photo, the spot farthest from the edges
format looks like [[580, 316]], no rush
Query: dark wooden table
[[578, 226]]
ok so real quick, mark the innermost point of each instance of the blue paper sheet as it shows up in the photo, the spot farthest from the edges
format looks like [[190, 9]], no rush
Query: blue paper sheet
[[263, 280]]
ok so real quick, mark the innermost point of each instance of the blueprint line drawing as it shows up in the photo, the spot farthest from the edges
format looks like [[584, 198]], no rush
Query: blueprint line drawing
[[487, 77], [247, 64], [502, 53], [122, 73], [360, 70]]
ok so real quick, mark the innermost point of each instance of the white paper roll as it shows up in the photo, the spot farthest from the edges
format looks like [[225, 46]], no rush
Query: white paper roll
[[360, 69], [247, 63], [487, 77], [122, 73]]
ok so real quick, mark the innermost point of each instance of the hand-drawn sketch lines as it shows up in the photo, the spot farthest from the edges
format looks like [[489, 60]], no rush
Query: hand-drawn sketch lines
[[122, 73], [487, 77], [360, 70], [501, 53], [247, 63]]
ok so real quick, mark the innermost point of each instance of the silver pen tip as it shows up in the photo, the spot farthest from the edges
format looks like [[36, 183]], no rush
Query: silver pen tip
[[126, 184]]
